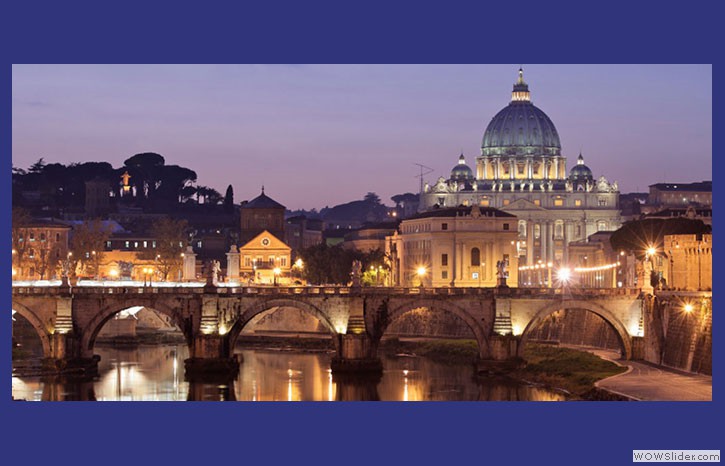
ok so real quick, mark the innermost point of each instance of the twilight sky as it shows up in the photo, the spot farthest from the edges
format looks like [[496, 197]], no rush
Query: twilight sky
[[318, 135]]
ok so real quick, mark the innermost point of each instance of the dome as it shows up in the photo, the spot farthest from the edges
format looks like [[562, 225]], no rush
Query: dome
[[521, 128], [580, 172], [462, 171]]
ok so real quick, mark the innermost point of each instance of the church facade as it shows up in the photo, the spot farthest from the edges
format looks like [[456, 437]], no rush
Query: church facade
[[521, 171]]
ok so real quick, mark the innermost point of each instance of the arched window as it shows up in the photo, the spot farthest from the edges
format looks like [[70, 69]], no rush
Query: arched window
[[522, 228], [475, 257], [601, 225]]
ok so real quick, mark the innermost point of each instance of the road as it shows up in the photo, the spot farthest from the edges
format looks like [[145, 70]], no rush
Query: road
[[647, 382]]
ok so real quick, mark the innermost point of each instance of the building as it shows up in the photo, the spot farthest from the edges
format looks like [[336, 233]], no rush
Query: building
[[690, 261], [680, 194], [40, 247], [302, 232], [261, 214], [457, 246], [265, 260], [521, 171], [369, 237]]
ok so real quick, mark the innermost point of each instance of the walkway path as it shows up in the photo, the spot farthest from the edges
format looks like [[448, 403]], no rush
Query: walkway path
[[647, 382]]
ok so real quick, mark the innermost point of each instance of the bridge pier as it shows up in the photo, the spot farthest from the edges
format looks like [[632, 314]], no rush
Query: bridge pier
[[211, 359], [357, 354], [503, 355], [66, 359]]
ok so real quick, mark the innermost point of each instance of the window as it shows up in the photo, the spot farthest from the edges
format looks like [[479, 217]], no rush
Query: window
[[559, 229], [475, 257], [31, 254], [444, 260], [537, 231], [108, 244], [283, 261], [578, 231], [128, 244], [601, 225], [506, 226], [578, 202], [537, 201], [145, 244], [602, 202], [506, 201], [444, 274], [558, 202], [247, 261], [31, 236], [198, 244], [444, 226], [153, 244], [135, 244], [484, 202], [42, 237]]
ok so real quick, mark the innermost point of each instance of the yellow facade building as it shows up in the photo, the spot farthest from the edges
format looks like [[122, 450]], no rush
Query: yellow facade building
[[459, 247], [265, 260]]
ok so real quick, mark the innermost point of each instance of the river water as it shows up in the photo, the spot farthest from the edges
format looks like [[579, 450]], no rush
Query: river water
[[156, 373]]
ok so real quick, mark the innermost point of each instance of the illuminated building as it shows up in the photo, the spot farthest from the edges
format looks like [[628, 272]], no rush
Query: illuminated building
[[458, 246], [521, 171]]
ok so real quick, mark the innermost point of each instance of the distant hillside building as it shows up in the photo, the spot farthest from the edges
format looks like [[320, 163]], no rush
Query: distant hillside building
[[680, 194], [302, 232], [261, 214], [369, 237]]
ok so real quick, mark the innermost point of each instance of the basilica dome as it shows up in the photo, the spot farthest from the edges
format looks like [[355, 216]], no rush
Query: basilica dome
[[521, 128]]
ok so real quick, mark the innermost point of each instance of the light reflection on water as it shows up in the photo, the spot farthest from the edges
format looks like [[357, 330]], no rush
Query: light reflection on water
[[156, 373]]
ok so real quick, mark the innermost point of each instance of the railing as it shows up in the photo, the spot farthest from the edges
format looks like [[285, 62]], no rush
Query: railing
[[319, 291]]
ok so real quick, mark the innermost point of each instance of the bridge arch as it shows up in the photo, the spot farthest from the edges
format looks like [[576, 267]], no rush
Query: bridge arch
[[92, 328], [620, 330], [476, 327], [258, 308], [40, 328]]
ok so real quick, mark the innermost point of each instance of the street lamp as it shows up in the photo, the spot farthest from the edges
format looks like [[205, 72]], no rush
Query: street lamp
[[688, 308], [421, 273], [276, 271]]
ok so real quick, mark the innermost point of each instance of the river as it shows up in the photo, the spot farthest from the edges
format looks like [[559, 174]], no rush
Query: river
[[156, 373]]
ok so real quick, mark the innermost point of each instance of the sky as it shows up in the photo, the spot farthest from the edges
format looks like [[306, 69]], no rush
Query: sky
[[321, 135]]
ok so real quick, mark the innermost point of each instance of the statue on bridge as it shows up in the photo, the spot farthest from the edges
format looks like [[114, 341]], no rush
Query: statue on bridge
[[356, 273], [501, 273]]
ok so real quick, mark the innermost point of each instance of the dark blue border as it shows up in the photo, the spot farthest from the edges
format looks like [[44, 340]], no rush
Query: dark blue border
[[348, 32]]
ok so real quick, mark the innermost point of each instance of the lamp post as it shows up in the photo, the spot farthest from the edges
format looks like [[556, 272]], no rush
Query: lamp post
[[421, 273], [276, 271]]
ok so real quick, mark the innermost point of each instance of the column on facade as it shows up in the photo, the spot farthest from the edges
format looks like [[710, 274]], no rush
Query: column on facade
[[512, 168], [485, 169], [565, 253], [542, 240], [461, 260], [529, 242], [550, 239], [545, 162], [556, 167]]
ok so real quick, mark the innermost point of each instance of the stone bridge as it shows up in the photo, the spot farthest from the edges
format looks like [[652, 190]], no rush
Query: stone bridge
[[68, 319]]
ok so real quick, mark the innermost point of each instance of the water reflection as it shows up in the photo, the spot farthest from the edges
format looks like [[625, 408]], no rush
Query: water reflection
[[155, 373]]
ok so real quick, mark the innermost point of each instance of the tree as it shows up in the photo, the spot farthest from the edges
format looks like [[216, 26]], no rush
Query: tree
[[171, 240], [87, 243], [145, 168], [20, 223], [638, 235], [229, 200]]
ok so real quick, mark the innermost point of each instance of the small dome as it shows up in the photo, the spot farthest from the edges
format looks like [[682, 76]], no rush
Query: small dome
[[462, 171], [580, 172]]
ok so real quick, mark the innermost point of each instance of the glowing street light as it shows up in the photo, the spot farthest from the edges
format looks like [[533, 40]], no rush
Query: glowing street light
[[276, 271], [688, 308], [563, 275], [421, 273]]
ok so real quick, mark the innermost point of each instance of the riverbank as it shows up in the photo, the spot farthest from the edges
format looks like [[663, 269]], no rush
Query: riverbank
[[573, 371]]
